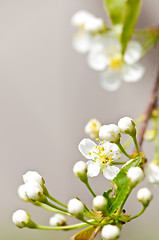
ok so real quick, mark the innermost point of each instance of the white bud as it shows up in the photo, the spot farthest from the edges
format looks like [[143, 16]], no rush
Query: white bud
[[127, 126], [144, 196], [110, 232], [57, 220], [92, 128], [80, 18], [34, 191], [135, 175], [21, 218], [32, 176], [80, 170], [110, 133], [22, 193], [76, 207], [94, 25], [100, 203], [152, 173]]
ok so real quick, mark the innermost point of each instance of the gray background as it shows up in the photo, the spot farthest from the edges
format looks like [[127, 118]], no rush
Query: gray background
[[47, 94]]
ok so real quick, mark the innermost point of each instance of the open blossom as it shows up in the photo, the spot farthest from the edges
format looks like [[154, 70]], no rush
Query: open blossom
[[92, 128], [152, 173], [100, 157], [105, 55]]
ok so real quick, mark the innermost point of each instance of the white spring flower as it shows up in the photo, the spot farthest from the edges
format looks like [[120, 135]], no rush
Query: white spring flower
[[100, 203], [76, 207], [21, 218], [110, 232], [100, 156], [80, 170], [127, 126], [33, 176], [22, 192], [110, 133], [57, 220], [34, 191], [105, 55], [144, 196], [135, 175], [152, 173], [92, 128]]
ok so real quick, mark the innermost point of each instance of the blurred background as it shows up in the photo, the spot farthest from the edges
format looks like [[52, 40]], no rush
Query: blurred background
[[47, 95]]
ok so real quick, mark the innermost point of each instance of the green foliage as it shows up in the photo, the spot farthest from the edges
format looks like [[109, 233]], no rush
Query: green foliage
[[121, 186], [85, 234], [130, 16]]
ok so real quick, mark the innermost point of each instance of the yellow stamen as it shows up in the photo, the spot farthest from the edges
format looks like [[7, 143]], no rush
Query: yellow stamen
[[89, 153], [97, 139]]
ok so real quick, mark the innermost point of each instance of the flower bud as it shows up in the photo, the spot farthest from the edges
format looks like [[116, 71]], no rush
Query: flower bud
[[110, 232], [92, 128], [127, 126], [135, 175], [32, 176], [152, 172], [22, 192], [21, 218], [57, 220], [110, 133], [80, 171], [144, 196], [150, 135], [76, 207], [100, 203], [34, 191]]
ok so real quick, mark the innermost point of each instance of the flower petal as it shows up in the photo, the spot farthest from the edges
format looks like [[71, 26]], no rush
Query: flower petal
[[110, 80], [110, 172], [93, 169], [82, 42], [133, 73], [86, 146], [133, 52]]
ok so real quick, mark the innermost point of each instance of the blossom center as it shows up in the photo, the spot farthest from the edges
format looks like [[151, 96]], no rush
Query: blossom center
[[116, 62]]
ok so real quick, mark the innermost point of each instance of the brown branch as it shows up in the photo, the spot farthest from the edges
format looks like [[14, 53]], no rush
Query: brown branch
[[148, 112]]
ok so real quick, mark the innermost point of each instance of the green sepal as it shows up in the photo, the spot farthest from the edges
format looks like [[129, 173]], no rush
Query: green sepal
[[87, 233], [121, 186], [130, 15]]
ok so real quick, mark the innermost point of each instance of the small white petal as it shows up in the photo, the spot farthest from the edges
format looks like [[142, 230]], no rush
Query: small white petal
[[110, 80], [93, 169], [82, 42], [86, 146], [80, 18], [133, 73], [152, 173], [110, 172], [133, 52]]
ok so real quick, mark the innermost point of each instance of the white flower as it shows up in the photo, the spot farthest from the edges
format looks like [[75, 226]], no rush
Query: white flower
[[34, 191], [94, 25], [57, 220], [152, 173], [144, 196], [92, 128], [100, 157], [76, 207], [127, 126], [22, 192], [110, 232], [32, 176], [110, 133], [80, 170], [105, 55], [21, 218], [135, 175], [100, 203]]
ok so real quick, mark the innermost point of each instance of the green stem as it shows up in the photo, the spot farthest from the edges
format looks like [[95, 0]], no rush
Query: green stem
[[55, 200], [118, 163], [139, 214], [54, 206], [90, 189], [123, 150], [70, 227], [136, 144]]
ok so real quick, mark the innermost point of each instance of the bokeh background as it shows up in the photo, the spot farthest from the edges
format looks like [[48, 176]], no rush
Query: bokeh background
[[47, 95]]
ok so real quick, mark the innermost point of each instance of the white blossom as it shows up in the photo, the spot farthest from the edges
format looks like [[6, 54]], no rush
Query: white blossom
[[127, 126], [144, 196], [100, 156], [94, 25], [22, 192], [100, 203], [32, 176], [152, 173], [76, 207], [57, 220], [34, 191], [80, 170], [110, 232], [21, 218], [80, 18], [135, 175], [92, 128], [110, 133]]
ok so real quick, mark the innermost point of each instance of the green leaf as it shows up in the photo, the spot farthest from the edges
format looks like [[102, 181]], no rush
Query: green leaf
[[85, 234], [130, 15], [121, 186], [115, 9]]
